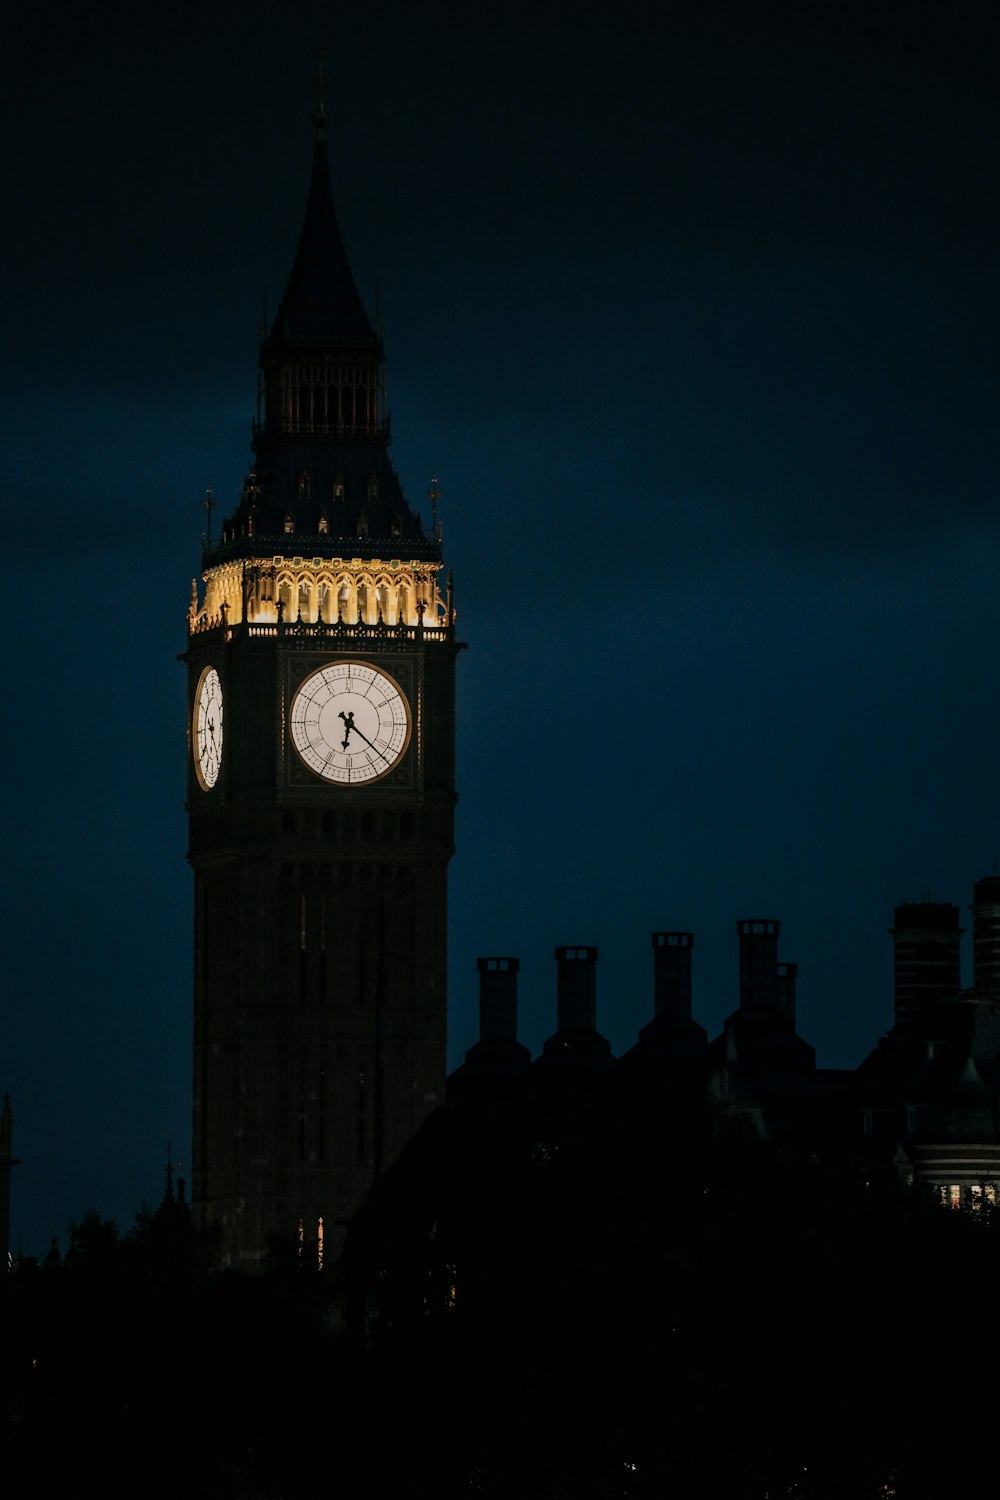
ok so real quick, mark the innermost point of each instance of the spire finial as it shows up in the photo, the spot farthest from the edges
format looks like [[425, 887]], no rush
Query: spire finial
[[319, 118], [434, 495]]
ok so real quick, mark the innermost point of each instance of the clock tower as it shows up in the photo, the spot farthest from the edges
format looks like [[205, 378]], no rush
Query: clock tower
[[321, 666]]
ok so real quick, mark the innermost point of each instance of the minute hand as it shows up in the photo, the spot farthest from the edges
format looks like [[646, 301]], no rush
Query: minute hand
[[368, 741]]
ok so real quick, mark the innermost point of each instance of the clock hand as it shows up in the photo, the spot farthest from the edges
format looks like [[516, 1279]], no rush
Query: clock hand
[[364, 737], [349, 724]]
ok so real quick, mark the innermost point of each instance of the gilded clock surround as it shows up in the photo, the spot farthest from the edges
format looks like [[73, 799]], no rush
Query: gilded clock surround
[[292, 590]]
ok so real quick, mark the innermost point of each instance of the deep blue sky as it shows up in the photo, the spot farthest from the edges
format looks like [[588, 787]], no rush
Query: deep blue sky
[[694, 319]]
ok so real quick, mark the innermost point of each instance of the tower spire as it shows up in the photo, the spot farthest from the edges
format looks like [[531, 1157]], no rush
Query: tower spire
[[321, 431], [321, 600]]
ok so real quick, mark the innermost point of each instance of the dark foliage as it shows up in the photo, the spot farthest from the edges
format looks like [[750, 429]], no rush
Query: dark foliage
[[681, 1312], [523, 1320]]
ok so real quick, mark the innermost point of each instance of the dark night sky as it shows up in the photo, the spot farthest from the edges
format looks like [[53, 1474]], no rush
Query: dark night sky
[[695, 320]]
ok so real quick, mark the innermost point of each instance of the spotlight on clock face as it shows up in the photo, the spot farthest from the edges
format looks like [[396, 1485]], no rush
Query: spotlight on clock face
[[350, 723]]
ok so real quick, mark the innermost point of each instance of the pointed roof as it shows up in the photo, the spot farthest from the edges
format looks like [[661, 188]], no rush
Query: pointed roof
[[321, 304], [322, 480]]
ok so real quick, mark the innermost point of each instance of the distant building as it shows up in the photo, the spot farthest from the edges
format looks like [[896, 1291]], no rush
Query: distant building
[[7, 1162], [923, 1108], [930, 1090]]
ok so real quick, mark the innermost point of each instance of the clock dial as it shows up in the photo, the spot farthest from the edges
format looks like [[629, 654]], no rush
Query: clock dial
[[207, 729], [350, 723]]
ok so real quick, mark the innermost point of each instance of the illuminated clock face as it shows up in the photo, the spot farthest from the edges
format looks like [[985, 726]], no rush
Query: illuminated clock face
[[208, 729], [350, 723]]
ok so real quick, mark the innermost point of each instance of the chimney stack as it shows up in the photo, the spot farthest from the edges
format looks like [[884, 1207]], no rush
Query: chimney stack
[[758, 962], [926, 938], [985, 911], [672, 975], [576, 988], [498, 999], [787, 976]]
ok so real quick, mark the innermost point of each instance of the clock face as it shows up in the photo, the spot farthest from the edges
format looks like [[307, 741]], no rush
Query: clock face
[[350, 723], [207, 729]]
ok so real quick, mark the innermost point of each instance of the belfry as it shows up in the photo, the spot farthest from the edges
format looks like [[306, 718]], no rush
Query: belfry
[[321, 789]]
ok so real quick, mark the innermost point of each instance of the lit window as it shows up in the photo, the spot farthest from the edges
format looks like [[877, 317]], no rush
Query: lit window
[[289, 525], [324, 525]]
